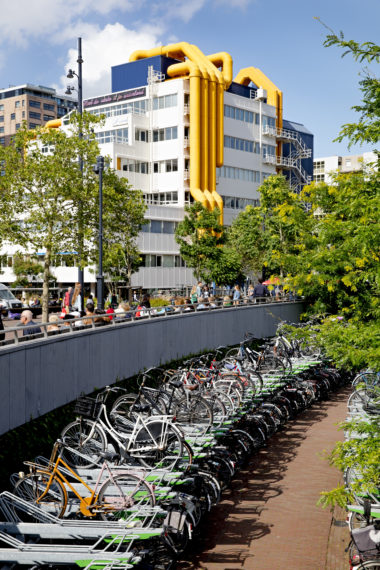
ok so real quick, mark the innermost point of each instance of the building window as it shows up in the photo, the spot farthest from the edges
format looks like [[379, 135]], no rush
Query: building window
[[235, 173], [269, 150], [1, 107], [136, 166], [48, 107], [33, 125], [171, 165], [117, 135], [1, 118], [35, 104], [319, 177], [239, 144], [165, 101], [17, 126], [269, 121], [1, 129], [17, 104], [238, 114], [141, 135], [13, 116], [162, 198], [48, 117], [34, 115], [23, 114], [2, 141], [23, 102], [166, 134]]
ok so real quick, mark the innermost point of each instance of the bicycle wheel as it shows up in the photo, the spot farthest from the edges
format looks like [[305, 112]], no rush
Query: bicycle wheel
[[121, 492], [35, 488], [193, 410], [89, 450], [270, 364], [219, 411], [158, 444]]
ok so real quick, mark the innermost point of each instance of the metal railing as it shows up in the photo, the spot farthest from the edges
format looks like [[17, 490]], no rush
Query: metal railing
[[92, 322]]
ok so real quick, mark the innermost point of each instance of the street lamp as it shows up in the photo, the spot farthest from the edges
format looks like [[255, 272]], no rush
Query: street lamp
[[70, 75], [99, 168]]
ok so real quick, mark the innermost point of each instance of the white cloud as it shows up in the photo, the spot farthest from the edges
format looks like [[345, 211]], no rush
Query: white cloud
[[103, 48], [22, 20]]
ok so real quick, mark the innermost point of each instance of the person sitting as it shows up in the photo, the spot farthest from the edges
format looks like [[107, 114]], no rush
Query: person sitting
[[90, 311], [178, 303], [203, 304], [189, 305], [212, 300], [30, 327], [53, 319], [123, 310], [227, 301]]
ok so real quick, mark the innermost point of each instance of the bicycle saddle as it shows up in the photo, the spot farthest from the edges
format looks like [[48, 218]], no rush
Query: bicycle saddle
[[176, 383], [140, 407]]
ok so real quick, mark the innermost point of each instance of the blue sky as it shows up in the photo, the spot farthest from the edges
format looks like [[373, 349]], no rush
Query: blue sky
[[39, 41]]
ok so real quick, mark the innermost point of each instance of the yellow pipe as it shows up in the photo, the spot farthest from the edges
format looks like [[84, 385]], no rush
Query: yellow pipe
[[206, 113], [223, 60], [245, 76], [192, 71], [53, 124]]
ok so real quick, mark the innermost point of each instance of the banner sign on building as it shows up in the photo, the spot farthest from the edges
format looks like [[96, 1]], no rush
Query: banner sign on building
[[115, 97]]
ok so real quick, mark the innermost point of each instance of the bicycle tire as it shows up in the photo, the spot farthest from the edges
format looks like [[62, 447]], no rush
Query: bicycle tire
[[122, 492], [34, 488], [193, 410], [75, 436], [161, 445], [268, 363]]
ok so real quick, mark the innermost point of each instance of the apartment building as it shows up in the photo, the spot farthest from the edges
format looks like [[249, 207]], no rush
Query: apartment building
[[323, 168], [149, 135], [33, 104], [180, 128]]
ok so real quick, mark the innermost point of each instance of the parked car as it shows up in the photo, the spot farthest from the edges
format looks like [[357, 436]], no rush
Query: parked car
[[8, 302]]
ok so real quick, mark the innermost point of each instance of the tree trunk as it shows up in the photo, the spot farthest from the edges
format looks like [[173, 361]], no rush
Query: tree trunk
[[45, 289]]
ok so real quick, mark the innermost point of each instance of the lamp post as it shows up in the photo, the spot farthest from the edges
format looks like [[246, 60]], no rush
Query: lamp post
[[70, 75], [100, 278]]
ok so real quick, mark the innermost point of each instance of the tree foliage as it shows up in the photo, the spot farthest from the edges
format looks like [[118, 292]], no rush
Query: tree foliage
[[274, 232], [123, 216], [26, 269], [50, 199], [200, 237]]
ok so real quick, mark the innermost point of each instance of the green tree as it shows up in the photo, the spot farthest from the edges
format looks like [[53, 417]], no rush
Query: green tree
[[123, 216], [201, 237], [42, 182], [50, 203], [26, 268], [272, 233]]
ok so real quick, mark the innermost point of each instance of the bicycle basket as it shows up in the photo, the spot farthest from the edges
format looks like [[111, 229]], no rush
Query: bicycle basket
[[87, 407], [367, 541]]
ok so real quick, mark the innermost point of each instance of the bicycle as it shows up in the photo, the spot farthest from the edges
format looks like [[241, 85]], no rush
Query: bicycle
[[153, 441], [46, 486]]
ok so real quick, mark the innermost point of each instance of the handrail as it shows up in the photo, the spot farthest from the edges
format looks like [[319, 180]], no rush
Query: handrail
[[76, 325]]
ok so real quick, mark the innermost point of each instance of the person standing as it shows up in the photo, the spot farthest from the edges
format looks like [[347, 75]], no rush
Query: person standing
[[237, 295], [260, 290], [76, 299]]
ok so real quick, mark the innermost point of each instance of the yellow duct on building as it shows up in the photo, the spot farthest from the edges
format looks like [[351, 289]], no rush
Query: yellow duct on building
[[245, 76], [206, 114], [53, 124]]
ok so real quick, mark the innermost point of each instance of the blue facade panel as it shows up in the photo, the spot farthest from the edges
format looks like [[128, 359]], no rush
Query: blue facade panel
[[308, 139], [241, 90], [135, 73]]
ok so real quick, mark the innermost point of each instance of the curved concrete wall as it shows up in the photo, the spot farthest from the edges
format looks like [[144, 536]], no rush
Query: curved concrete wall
[[41, 375]]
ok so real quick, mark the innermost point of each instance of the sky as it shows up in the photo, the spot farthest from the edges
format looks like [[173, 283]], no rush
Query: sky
[[38, 44]]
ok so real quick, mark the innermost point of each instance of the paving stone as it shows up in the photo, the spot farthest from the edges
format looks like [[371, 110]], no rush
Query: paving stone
[[269, 519]]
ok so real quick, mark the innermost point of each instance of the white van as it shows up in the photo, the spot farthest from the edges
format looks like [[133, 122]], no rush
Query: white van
[[8, 301]]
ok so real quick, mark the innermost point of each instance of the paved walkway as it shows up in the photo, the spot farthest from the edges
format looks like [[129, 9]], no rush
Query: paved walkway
[[269, 520]]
